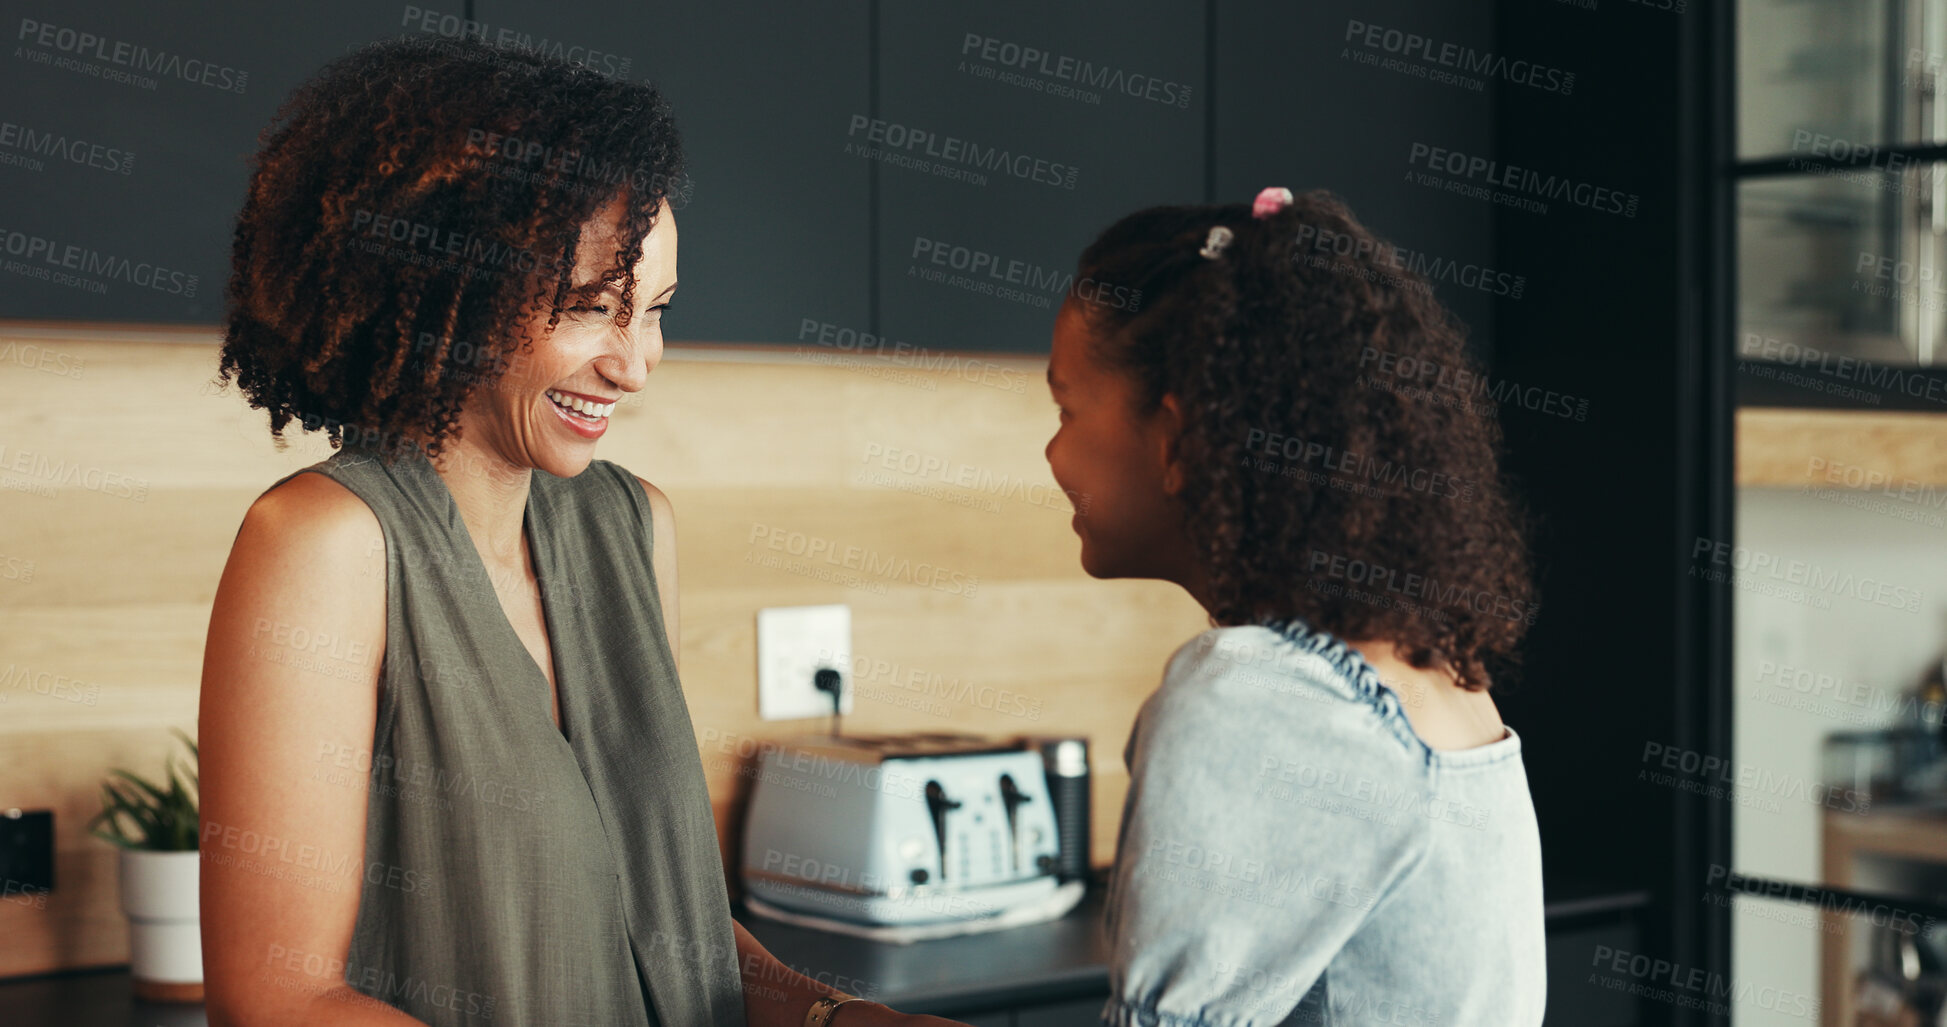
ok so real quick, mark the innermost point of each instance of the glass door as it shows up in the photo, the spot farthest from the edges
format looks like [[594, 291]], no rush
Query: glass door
[[1838, 875]]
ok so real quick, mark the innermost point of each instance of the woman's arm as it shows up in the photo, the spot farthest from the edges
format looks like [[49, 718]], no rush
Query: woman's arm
[[289, 699], [777, 996]]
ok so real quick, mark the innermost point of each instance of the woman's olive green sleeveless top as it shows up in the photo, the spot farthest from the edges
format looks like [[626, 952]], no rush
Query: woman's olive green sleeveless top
[[517, 873]]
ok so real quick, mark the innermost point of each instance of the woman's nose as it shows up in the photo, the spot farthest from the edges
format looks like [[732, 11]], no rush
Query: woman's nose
[[637, 351]]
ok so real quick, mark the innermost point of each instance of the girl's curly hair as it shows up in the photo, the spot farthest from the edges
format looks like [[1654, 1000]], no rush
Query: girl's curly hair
[[1341, 465], [412, 204]]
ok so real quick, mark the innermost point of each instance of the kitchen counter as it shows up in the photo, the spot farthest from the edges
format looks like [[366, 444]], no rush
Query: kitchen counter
[[1055, 963], [1049, 965], [1043, 974]]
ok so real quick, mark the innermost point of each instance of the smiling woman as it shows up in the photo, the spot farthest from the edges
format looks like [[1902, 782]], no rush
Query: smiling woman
[[374, 304], [550, 403], [484, 801]]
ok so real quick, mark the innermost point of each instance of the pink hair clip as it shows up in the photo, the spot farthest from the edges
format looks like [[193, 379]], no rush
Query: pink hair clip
[[1270, 200]]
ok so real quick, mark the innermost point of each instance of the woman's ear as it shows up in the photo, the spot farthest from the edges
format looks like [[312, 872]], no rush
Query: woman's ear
[[1168, 426]]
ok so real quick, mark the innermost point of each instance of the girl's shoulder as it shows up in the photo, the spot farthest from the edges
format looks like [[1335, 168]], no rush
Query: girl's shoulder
[[1296, 686], [1250, 663], [1249, 689]]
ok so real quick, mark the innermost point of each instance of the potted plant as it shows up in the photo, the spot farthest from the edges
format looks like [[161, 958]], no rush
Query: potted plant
[[155, 827]]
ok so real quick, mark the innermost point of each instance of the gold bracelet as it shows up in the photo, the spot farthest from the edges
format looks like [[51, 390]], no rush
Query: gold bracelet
[[821, 1012]]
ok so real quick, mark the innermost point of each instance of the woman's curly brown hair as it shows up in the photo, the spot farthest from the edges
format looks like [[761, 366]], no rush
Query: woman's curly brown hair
[[412, 204], [1339, 464]]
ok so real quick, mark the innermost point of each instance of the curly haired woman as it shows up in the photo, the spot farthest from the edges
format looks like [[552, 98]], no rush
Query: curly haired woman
[[448, 772], [1327, 821]]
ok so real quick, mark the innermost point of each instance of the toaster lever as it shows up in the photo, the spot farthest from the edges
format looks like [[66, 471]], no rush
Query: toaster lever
[[1012, 797], [939, 804]]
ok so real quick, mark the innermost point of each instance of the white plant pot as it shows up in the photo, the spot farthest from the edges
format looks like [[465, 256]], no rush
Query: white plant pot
[[165, 937]]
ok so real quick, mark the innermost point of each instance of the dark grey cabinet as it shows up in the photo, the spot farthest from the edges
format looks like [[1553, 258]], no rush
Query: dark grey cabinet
[[1303, 102], [127, 130], [776, 229], [1580, 990], [1008, 134], [924, 173]]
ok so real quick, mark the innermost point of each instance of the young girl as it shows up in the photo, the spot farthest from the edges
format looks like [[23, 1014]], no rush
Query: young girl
[[1327, 821]]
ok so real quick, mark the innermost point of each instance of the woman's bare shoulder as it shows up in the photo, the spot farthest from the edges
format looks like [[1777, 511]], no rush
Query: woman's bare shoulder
[[317, 502], [312, 516], [662, 524], [308, 550], [658, 502]]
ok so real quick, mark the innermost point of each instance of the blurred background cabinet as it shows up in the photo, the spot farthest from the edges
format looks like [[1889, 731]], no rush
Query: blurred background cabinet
[[922, 173]]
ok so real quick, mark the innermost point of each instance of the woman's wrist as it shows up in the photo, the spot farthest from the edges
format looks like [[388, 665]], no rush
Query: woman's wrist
[[826, 1010], [860, 1013]]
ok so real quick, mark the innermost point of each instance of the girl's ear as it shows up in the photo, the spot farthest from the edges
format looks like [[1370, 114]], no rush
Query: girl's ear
[[1168, 425]]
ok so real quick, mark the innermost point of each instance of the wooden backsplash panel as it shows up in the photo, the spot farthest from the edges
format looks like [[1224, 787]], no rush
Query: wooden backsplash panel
[[110, 593]]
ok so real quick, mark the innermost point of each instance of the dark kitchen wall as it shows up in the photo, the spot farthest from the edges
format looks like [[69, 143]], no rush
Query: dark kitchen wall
[[1617, 424], [1305, 99], [922, 173], [159, 105]]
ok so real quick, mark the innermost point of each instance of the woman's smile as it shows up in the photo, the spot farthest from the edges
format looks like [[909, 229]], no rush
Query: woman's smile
[[585, 415]]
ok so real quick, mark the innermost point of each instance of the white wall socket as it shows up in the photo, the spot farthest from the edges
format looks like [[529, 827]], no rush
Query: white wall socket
[[792, 643]]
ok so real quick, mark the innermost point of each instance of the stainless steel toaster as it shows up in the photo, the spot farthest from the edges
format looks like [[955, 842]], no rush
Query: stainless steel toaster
[[899, 829]]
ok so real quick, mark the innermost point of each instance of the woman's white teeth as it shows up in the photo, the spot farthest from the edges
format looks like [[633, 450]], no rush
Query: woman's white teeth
[[593, 411]]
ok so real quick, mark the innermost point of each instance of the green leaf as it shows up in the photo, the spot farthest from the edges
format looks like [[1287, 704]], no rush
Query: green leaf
[[115, 807], [181, 819], [154, 792], [195, 768], [106, 825], [139, 814]]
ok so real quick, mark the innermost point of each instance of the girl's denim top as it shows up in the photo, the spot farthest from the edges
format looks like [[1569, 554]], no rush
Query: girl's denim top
[[1292, 853]]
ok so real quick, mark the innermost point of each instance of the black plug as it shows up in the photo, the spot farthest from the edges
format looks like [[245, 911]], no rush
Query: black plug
[[830, 681]]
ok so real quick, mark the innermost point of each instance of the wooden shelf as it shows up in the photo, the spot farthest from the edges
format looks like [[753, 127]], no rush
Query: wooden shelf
[[1781, 447], [1912, 835]]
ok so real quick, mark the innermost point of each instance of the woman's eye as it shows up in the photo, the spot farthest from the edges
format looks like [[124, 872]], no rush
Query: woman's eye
[[603, 310]]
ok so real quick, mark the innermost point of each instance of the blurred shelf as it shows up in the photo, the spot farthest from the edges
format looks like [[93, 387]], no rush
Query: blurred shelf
[[1912, 835], [1787, 447]]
